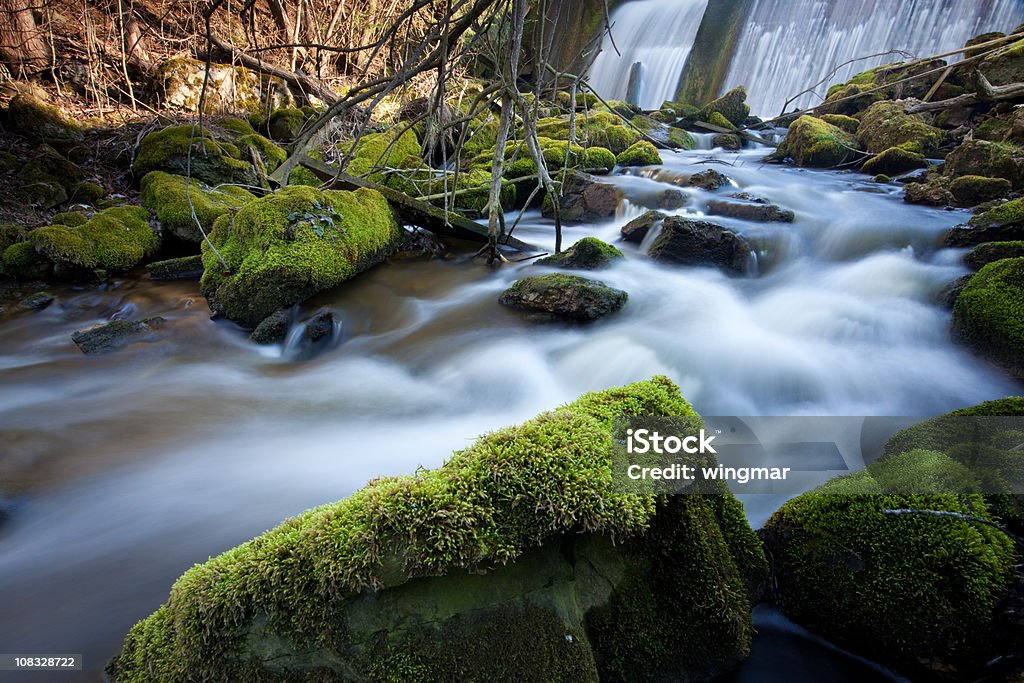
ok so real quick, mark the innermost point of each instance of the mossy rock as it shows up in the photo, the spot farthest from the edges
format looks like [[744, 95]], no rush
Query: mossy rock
[[589, 253], [209, 161], [934, 191], [467, 193], [22, 262], [377, 151], [165, 195], [37, 120], [86, 192], [731, 106], [989, 314], [182, 268], [990, 252], [854, 96], [664, 134], [884, 125], [1007, 213], [1006, 66], [815, 143], [716, 119], [12, 233], [115, 239], [989, 159], [972, 190], [915, 592], [500, 563], [642, 153], [599, 160], [72, 219], [847, 123], [285, 247], [894, 161], [286, 124], [598, 129]]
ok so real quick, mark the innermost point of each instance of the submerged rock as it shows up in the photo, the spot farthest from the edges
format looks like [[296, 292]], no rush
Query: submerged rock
[[989, 314], [183, 268], [320, 326], [563, 296], [689, 242], [589, 253], [116, 335], [759, 210], [37, 301], [500, 563], [914, 592], [636, 230], [285, 247]]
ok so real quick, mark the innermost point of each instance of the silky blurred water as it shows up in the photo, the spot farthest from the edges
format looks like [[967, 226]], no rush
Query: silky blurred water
[[123, 470]]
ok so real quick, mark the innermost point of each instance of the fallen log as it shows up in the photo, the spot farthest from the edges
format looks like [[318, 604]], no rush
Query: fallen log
[[986, 93], [413, 211]]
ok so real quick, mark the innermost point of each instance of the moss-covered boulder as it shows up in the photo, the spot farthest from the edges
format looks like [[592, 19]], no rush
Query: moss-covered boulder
[[989, 314], [589, 253], [596, 129], [990, 252], [1002, 223], [115, 240], [662, 133], [886, 124], [815, 143], [21, 262], [972, 190], [499, 564], [916, 592], [187, 151], [847, 123], [563, 297], [283, 248], [989, 159], [181, 268], [174, 200], [732, 106], [286, 124], [1005, 66], [31, 116], [886, 82], [894, 161], [641, 153]]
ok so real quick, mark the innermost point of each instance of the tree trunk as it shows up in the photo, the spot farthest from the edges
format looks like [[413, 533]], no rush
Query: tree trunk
[[22, 46]]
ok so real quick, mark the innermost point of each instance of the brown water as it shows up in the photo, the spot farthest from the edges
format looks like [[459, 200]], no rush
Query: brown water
[[123, 470]]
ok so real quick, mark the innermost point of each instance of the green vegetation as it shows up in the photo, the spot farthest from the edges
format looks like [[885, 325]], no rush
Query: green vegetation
[[642, 153], [990, 252], [989, 313], [209, 161], [283, 248], [115, 239], [885, 125], [1007, 213], [971, 190], [894, 161], [813, 142], [589, 253], [165, 195]]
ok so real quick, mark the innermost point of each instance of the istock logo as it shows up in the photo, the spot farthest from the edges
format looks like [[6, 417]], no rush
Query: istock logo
[[645, 441]]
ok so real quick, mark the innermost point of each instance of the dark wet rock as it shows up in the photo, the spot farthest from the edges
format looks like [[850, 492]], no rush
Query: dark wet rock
[[184, 268], [709, 180], [559, 296], [971, 190], [320, 326], [932, 192], [990, 252], [759, 210], [417, 243], [273, 329], [116, 335], [671, 200], [37, 301], [589, 253], [989, 159], [584, 200], [689, 242], [636, 230], [728, 141], [947, 295]]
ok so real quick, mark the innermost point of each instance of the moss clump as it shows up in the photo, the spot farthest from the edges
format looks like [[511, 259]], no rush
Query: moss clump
[[589, 253], [717, 119], [813, 142], [599, 160], [114, 239], [892, 82], [377, 151], [165, 195], [187, 151], [286, 124], [1008, 213], [597, 129], [72, 219], [971, 190], [894, 161], [990, 252], [989, 159], [885, 125], [642, 153], [285, 247], [989, 313], [30, 116], [474, 571], [913, 591], [847, 123], [732, 106], [21, 262]]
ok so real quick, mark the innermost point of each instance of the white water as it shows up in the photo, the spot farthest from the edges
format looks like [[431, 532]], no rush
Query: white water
[[658, 33], [788, 45]]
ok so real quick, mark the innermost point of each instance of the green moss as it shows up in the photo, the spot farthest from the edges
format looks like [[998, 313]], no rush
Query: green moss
[[905, 590], [990, 252], [114, 239], [40, 121], [847, 123], [885, 124], [283, 248], [21, 262], [72, 219], [286, 124], [813, 142], [989, 313], [989, 159], [717, 119], [86, 192], [642, 153], [301, 175], [731, 106], [894, 161], [520, 168], [588, 254], [211, 162], [679, 138], [379, 150], [165, 195], [893, 81], [971, 190], [236, 126], [599, 160], [1007, 213], [270, 154]]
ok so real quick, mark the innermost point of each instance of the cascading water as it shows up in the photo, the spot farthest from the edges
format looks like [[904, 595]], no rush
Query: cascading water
[[788, 46], [656, 33]]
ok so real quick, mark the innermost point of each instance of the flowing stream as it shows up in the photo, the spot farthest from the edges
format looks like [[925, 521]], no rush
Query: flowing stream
[[121, 471]]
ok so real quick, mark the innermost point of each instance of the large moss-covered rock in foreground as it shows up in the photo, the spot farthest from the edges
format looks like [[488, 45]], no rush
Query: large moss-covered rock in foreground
[[115, 239], [916, 592], [516, 559], [285, 247], [813, 142], [989, 313], [173, 199]]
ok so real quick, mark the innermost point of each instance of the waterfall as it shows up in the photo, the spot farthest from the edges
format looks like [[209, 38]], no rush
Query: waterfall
[[788, 46], [657, 33]]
